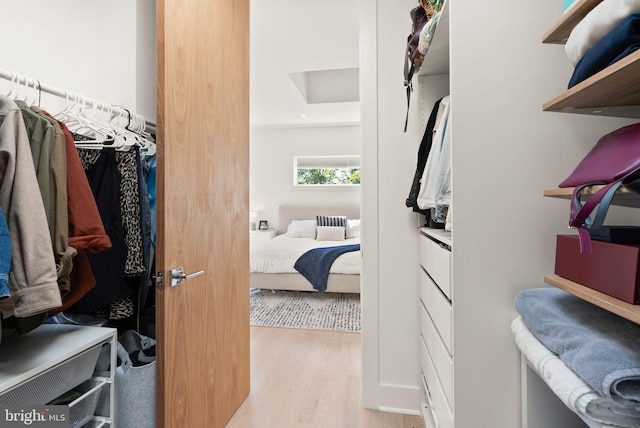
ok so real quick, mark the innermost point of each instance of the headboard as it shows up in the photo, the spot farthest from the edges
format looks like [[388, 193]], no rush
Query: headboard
[[286, 213]]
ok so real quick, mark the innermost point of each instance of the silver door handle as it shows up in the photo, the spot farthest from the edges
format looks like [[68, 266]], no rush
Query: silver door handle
[[178, 275]]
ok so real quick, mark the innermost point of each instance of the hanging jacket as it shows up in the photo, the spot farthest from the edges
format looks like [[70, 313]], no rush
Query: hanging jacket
[[32, 280], [86, 231], [435, 171], [108, 266], [423, 154]]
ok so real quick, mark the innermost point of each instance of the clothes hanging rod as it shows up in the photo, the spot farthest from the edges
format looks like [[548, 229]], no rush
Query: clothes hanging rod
[[37, 85]]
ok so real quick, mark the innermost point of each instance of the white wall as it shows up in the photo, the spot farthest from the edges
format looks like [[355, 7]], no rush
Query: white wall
[[298, 36], [146, 63], [271, 165], [85, 46], [389, 229], [505, 152]]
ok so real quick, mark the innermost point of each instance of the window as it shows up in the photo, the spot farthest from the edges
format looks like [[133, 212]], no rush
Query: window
[[326, 170]]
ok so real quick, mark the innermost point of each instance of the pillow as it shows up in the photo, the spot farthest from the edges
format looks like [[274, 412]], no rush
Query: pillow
[[330, 233], [331, 220], [353, 228], [302, 229]]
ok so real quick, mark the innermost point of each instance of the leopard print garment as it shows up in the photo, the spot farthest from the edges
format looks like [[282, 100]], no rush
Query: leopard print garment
[[129, 204], [118, 310]]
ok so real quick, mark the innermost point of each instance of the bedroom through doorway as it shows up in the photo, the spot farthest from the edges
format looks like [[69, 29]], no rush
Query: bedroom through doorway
[[305, 195]]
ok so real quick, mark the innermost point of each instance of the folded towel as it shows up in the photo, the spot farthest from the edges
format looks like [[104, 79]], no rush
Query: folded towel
[[601, 347], [315, 264], [596, 24], [568, 386], [623, 40]]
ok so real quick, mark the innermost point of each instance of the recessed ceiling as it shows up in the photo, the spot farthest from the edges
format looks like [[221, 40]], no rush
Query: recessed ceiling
[[328, 86], [298, 41]]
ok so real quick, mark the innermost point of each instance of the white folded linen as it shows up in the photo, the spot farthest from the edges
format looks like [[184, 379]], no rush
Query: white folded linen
[[568, 386], [596, 24]]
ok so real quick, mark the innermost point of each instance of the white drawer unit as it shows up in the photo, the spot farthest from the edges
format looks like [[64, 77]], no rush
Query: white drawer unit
[[438, 307], [436, 327], [53, 360], [435, 258], [442, 413], [425, 405], [432, 345]]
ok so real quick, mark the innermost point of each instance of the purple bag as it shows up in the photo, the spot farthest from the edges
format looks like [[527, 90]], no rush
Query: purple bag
[[614, 161]]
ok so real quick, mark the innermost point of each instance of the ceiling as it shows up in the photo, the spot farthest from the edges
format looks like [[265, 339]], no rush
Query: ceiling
[[304, 60]]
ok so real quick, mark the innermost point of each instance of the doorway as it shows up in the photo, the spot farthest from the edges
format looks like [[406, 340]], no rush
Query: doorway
[[287, 119]]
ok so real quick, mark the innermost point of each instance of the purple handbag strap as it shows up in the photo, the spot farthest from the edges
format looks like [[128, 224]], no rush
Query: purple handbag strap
[[580, 213]]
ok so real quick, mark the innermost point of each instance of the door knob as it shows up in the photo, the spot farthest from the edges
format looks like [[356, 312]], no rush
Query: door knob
[[178, 275]]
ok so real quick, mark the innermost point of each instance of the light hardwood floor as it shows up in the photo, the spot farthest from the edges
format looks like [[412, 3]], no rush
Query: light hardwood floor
[[308, 378]]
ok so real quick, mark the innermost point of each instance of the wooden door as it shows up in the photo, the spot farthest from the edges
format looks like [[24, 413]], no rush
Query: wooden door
[[203, 212]]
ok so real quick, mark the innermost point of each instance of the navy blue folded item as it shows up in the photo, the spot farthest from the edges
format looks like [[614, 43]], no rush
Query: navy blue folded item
[[623, 40], [616, 234], [316, 263], [599, 346]]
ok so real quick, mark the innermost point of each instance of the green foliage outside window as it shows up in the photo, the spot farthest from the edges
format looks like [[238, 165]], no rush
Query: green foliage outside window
[[328, 176]]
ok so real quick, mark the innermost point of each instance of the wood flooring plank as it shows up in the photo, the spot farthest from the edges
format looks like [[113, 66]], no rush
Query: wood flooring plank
[[309, 379]]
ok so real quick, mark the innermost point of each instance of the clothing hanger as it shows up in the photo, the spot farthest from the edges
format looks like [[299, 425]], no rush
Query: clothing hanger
[[148, 146], [78, 124], [125, 140], [13, 89], [31, 93], [133, 127]]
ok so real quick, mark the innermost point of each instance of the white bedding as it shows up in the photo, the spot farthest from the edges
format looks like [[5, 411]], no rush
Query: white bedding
[[280, 254]]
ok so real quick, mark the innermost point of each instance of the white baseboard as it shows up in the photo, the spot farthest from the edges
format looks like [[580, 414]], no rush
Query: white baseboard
[[397, 399]]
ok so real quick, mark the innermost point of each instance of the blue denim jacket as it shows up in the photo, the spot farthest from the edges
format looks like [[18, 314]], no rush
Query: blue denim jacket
[[5, 257]]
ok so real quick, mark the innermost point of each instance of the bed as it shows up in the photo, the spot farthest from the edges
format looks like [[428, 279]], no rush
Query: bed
[[272, 262]]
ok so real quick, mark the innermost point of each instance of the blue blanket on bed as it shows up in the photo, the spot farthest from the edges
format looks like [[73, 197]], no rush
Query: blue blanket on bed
[[316, 263]]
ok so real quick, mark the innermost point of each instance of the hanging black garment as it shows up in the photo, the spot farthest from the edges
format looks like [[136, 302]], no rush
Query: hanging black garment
[[423, 154], [107, 266]]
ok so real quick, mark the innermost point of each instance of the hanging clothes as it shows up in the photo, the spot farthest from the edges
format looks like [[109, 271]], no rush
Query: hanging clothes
[[116, 180], [94, 206], [107, 266], [56, 194], [436, 174], [86, 231], [5, 258], [128, 167], [423, 154], [33, 279]]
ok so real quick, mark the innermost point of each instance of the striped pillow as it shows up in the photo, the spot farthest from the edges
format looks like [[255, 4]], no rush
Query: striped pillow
[[331, 220]]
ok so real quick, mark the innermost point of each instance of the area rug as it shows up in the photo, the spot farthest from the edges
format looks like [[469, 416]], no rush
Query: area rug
[[308, 310]]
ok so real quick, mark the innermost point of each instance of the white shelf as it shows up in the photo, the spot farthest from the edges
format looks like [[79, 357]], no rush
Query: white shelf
[[26, 356], [441, 235]]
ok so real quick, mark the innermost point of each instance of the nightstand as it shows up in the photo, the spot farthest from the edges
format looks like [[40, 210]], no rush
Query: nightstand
[[256, 236]]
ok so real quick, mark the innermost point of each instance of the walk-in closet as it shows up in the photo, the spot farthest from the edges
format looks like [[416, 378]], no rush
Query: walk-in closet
[[133, 85]]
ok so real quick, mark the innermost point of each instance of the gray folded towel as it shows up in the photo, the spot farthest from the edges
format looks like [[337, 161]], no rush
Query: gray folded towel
[[600, 347]]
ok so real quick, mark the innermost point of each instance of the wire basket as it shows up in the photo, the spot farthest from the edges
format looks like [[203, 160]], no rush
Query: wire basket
[[54, 382], [81, 410]]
